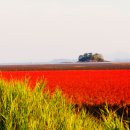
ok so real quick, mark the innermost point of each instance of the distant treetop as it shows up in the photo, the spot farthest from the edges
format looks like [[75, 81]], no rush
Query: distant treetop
[[90, 57]]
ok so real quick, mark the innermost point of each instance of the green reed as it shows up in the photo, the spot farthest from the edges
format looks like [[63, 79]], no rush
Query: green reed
[[24, 109]]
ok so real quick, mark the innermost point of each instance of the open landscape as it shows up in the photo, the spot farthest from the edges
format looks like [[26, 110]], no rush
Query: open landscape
[[76, 96], [64, 64]]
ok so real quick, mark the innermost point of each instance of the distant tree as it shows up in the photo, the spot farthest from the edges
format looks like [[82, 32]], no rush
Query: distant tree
[[85, 57], [89, 57], [81, 58], [97, 57]]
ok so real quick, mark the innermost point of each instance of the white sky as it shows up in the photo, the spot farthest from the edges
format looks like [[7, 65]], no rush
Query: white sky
[[43, 30]]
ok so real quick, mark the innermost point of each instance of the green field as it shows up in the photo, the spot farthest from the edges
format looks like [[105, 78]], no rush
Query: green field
[[24, 109]]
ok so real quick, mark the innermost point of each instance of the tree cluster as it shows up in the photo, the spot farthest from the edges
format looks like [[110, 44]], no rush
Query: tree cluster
[[90, 57]]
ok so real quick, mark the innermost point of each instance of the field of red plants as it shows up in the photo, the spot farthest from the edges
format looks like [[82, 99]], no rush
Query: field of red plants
[[83, 86]]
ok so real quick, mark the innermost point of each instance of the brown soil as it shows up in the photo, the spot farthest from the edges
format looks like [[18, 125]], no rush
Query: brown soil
[[68, 66]]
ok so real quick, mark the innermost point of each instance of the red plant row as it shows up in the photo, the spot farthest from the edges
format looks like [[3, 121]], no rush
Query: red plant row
[[84, 86]]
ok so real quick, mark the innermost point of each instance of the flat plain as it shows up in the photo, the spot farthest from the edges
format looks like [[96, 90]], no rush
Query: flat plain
[[68, 66]]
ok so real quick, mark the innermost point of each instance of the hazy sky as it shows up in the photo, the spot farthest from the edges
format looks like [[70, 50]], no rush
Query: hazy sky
[[43, 30]]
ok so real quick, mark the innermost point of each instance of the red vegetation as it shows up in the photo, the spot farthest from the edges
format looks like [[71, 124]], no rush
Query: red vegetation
[[84, 86]]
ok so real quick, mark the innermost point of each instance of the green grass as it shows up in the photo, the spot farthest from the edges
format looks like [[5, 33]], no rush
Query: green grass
[[24, 109]]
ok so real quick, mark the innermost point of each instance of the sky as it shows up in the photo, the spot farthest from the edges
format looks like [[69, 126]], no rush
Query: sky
[[44, 30]]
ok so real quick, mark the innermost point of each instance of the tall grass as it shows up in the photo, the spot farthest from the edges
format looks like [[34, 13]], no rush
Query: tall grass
[[24, 109]]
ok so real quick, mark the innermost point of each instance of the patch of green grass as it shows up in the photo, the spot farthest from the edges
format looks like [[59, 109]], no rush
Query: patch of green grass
[[24, 109]]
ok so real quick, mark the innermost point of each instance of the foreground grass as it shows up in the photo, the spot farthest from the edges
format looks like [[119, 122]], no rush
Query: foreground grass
[[23, 109]]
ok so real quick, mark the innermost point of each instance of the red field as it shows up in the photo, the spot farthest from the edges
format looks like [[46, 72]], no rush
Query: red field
[[84, 86]]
